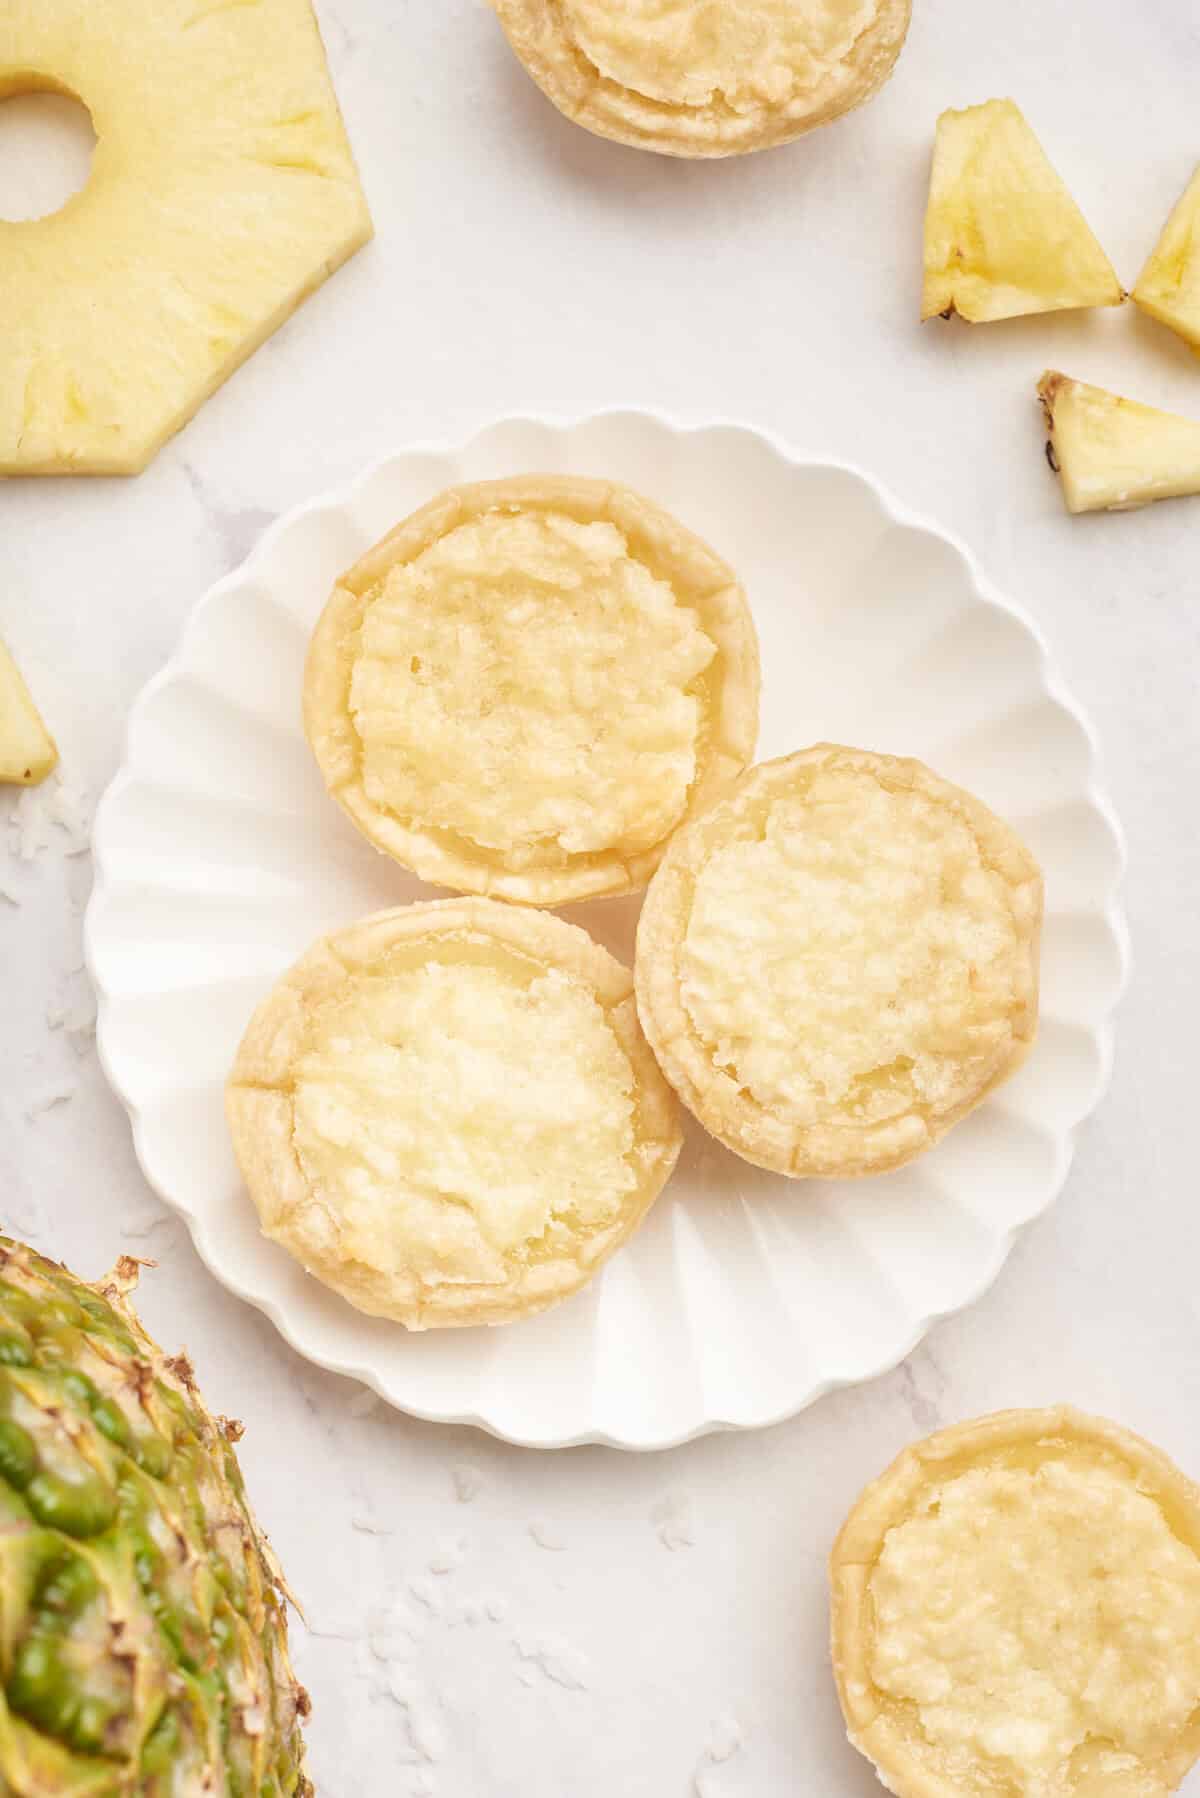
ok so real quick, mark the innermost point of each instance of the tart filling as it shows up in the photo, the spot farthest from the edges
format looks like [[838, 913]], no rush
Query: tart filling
[[527, 690], [1017, 1611], [694, 78], [746, 55], [840, 960], [449, 1114]]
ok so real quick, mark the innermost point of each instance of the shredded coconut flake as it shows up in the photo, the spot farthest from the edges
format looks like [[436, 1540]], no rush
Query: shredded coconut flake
[[367, 1526], [725, 1737], [555, 1658], [143, 1222], [449, 1555], [47, 1099], [56, 804], [468, 1482], [546, 1536], [392, 1634], [425, 1593], [672, 1517]]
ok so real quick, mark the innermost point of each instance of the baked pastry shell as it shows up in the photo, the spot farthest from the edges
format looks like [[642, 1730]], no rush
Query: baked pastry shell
[[1019, 1434], [540, 39], [700, 580], [725, 1108], [260, 1112]]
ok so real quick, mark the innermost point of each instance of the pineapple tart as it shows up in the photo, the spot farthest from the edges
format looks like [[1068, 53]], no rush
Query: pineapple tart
[[529, 684], [690, 78], [222, 192], [839, 960], [448, 1112], [1016, 1611]]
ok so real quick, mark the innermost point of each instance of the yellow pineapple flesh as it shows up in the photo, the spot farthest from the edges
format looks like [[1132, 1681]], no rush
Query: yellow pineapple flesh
[[222, 192], [1003, 237], [1168, 288], [1114, 454], [27, 752]]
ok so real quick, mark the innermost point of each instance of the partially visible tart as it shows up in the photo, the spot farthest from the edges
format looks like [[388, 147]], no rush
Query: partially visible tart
[[1016, 1614], [448, 1112], [529, 685], [839, 960], [693, 78]]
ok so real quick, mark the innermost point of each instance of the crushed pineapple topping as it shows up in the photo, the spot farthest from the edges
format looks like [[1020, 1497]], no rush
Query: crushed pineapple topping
[[1035, 1617], [528, 684], [744, 54], [848, 961], [457, 1119]]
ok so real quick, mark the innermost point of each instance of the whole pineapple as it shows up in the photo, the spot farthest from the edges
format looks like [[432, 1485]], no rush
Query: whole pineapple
[[143, 1637]]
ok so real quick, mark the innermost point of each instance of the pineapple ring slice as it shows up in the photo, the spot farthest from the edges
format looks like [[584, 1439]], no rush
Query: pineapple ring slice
[[449, 1114], [222, 192], [1016, 1609], [688, 78], [838, 961], [529, 684]]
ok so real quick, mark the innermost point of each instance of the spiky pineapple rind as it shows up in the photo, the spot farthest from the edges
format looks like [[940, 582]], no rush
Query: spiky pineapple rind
[[143, 1645]]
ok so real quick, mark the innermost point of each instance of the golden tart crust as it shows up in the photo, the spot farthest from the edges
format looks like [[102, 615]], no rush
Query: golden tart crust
[[1016, 1614], [839, 960], [527, 686], [688, 78], [449, 1114]]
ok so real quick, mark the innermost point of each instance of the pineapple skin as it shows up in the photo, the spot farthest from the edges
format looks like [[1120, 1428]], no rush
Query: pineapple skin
[[1168, 288], [143, 1640], [1003, 236], [27, 750], [222, 193], [1114, 454]]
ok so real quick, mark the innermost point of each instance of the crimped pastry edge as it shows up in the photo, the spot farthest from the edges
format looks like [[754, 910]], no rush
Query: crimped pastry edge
[[725, 1110], [700, 579], [889, 1498], [260, 1117], [542, 43]]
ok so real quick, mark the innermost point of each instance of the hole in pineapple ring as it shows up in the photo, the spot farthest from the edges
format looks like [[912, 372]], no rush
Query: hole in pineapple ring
[[46, 145]]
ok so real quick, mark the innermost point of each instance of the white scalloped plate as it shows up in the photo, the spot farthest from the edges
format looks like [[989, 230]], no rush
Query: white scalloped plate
[[744, 1297]]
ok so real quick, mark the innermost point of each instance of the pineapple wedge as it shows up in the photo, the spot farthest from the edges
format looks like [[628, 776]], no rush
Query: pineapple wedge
[[1003, 237], [222, 192], [1115, 454], [1168, 288], [27, 752]]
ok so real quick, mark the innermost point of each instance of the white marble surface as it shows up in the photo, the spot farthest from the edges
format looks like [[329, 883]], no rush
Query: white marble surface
[[652, 1608]]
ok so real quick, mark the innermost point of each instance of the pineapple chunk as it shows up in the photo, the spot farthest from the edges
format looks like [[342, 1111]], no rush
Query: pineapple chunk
[[1168, 288], [27, 751], [1003, 237], [1114, 454], [222, 192]]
